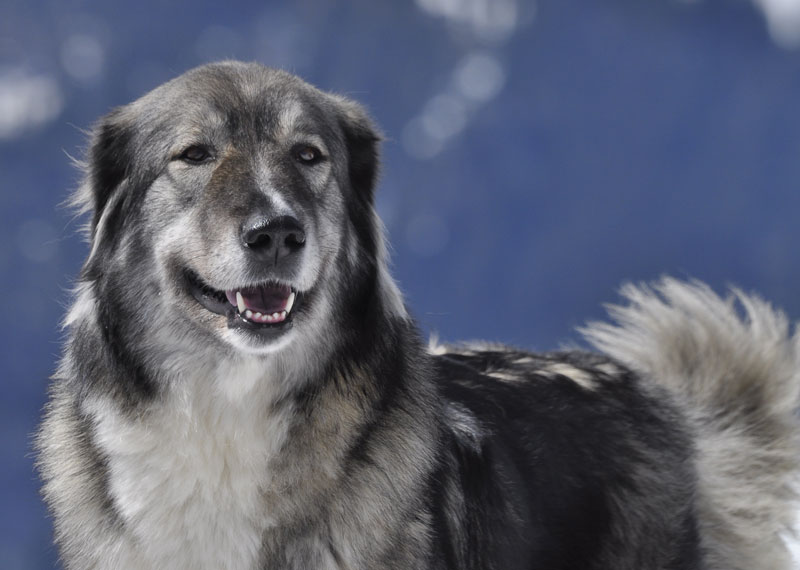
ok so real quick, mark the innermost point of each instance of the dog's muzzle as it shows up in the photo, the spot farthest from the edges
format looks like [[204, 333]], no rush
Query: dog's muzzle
[[273, 248]]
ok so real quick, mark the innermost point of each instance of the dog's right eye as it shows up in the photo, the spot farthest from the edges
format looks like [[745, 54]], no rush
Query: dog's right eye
[[195, 154], [307, 154]]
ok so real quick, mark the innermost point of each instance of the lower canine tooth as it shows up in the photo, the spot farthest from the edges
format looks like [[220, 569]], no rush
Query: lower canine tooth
[[240, 302], [289, 303]]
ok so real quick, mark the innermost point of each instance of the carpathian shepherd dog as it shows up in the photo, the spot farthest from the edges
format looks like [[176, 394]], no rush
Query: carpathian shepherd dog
[[243, 388]]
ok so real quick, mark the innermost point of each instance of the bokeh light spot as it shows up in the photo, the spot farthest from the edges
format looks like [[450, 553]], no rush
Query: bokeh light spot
[[82, 57]]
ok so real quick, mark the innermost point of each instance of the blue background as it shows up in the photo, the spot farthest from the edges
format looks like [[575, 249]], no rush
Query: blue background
[[538, 154]]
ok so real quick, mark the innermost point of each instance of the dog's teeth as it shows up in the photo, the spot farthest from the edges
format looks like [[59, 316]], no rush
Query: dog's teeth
[[240, 302], [257, 317], [289, 303]]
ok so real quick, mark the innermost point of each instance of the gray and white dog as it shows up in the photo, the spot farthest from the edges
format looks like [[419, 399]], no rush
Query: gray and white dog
[[242, 386]]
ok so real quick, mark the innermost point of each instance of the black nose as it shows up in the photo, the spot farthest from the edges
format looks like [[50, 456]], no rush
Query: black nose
[[274, 239]]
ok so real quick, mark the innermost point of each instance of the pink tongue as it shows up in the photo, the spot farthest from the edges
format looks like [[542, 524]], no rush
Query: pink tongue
[[266, 299]]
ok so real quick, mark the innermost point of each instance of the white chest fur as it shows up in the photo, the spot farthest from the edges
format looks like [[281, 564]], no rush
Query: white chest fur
[[187, 478]]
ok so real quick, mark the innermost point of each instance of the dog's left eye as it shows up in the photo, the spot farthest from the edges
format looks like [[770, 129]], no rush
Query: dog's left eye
[[195, 154], [307, 154]]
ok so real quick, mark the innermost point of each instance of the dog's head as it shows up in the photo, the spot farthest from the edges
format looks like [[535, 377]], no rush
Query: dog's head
[[235, 201]]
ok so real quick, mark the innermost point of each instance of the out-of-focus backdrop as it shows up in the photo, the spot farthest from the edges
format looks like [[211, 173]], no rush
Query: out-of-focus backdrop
[[538, 154]]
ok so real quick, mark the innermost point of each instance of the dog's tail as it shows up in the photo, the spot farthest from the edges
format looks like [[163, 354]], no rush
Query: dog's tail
[[735, 366]]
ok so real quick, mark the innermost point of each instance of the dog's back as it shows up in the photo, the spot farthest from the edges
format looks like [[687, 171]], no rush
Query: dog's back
[[568, 460], [680, 451]]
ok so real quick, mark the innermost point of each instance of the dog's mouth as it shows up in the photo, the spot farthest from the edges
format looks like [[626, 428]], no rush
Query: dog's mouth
[[264, 305]]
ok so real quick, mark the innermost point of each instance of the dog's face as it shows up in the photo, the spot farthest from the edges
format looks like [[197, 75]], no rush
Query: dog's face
[[238, 199]]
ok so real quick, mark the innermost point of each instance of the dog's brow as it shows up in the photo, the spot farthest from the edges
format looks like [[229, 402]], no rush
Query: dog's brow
[[198, 130], [288, 117], [306, 136]]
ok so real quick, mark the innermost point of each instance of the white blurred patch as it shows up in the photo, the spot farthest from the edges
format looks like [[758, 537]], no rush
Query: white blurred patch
[[476, 80], [27, 101], [783, 21], [82, 57], [479, 77], [418, 142], [489, 20], [444, 116]]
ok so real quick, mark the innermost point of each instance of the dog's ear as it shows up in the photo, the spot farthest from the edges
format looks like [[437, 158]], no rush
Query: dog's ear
[[108, 161], [363, 140], [105, 167]]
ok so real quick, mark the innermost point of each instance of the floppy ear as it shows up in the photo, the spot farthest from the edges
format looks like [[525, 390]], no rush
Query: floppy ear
[[109, 160], [108, 189], [362, 139], [105, 167]]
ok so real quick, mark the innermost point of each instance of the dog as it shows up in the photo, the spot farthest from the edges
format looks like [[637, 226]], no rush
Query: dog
[[243, 387]]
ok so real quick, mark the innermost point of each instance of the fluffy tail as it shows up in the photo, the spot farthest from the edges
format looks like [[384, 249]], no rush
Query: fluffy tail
[[735, 366]]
